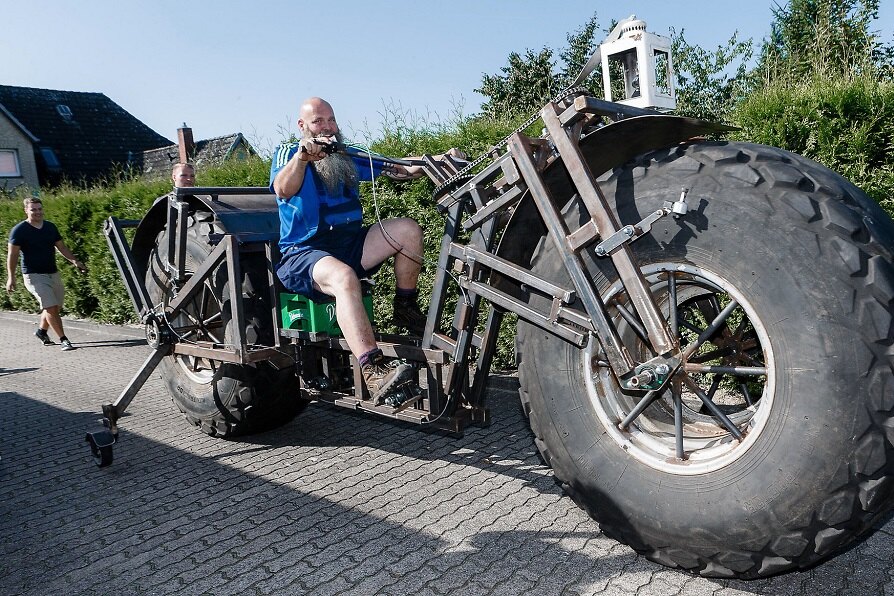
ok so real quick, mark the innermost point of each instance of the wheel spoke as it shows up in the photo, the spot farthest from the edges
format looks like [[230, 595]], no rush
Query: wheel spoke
[[672, 315], [714, 385], [203, 301], [634, 323], [712, 407], [744, 388], [678, 423], [711, 329], [196, 322], [739, 371], [644, 403], [213, 337], [707, 356], [690, 326]]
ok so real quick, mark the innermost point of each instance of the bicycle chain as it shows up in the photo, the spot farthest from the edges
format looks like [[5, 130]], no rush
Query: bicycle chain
[[463, 173]]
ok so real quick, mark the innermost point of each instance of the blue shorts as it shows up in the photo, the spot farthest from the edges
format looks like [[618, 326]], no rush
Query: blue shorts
[[295, 269]]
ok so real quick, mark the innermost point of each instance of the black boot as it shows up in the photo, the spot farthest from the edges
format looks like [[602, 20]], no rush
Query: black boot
[[408, 315]]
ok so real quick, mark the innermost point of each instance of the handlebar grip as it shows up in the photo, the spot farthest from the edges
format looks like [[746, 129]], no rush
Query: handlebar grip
[[328, 148]]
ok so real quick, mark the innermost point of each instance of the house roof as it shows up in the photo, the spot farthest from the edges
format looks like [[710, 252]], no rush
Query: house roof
[[208, 151], [87, 132], [18, 124]]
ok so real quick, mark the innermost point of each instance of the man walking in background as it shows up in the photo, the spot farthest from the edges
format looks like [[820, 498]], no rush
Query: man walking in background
[[36, 240]]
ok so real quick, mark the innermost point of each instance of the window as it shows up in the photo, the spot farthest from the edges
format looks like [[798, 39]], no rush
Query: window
[[64, 111], [50, 159], [9, 163]]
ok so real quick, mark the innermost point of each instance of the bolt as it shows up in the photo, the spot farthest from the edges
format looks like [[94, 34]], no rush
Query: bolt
[[662, 369]]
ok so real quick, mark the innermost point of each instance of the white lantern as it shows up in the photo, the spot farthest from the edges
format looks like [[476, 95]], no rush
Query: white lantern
[[637, 69]]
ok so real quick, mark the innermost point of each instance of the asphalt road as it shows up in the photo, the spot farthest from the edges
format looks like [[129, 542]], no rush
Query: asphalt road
[[332, 503]]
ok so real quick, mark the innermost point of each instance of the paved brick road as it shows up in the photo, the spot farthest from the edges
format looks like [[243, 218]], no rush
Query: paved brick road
[[332, 503]]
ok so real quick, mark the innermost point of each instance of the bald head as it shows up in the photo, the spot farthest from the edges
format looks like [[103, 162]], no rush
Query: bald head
[[317, 118]]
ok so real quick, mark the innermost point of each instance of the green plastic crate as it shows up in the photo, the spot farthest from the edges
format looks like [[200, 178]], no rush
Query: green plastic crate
[[303, 314]]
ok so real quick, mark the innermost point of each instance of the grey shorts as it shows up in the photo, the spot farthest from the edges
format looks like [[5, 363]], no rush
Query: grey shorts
[[46, 287]]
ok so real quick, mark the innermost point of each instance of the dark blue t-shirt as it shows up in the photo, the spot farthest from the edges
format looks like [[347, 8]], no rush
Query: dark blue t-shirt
[[38, 246]]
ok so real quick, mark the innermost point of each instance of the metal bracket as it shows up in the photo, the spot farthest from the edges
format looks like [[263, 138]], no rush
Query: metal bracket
[[651, 375], [629, 233]]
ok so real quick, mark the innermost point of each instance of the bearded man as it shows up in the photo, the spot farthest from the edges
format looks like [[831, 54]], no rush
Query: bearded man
[[326, 248]]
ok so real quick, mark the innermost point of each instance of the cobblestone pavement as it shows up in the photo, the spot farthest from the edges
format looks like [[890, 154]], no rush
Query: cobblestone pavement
[[332, 503]]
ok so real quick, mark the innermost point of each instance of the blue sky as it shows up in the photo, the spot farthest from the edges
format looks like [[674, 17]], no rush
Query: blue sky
[[225, 66]]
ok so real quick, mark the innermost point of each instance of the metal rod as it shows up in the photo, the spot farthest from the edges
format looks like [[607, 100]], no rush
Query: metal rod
[[615, 351], [644, 403], [198, 278], [672, 314], [237, 309], [597, 206], [632, 321], [136, 289], [715, 411], [182, 229], [744, 388], [512, 271], [139, 380], [711, 329], [678, 423], [527, 313], [725, 370]]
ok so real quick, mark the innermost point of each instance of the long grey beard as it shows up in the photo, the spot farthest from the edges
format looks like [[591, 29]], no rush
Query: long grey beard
[[335, 170]]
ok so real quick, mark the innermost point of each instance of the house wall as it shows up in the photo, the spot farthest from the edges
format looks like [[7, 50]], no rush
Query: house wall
[[12, 137]]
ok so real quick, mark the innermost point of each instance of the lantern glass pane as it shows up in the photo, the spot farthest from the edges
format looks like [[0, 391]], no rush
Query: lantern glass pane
[[662, 72], [624, 75]]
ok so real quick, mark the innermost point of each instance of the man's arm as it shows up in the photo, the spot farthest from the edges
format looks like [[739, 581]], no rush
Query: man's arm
[[289, 179], [69, 256], [12, 261]]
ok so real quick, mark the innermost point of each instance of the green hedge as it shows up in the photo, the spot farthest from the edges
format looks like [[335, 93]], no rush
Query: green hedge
[[845, 123]]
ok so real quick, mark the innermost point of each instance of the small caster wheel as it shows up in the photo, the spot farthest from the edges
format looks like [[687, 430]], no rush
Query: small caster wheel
[[101, 447]]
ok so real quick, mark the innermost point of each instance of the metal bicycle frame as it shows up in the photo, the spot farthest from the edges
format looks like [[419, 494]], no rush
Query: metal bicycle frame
[[475, 222], [475, 209]]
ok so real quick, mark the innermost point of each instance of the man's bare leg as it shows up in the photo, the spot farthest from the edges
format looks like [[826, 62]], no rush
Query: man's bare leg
[[401, 237], [49, 318], [336, 279]]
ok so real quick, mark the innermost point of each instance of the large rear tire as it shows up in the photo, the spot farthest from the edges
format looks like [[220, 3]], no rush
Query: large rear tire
[[223, 399], [802, 367]]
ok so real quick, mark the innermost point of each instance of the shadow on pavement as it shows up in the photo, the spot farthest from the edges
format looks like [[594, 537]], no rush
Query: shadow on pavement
[[12, 371]]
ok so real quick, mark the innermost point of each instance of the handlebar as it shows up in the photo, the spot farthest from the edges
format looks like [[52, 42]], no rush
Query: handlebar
[[438, 170], [336, 147]]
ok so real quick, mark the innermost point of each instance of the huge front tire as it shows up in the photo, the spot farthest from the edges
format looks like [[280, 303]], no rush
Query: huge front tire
[[773, 445], [223, 399]]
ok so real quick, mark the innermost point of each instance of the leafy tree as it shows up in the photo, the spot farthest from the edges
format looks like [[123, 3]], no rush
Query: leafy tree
[[827, 36], [709, 84], [581, 45], [527, 82]]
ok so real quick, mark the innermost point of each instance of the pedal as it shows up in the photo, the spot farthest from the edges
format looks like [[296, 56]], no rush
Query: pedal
[[404, 396]]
